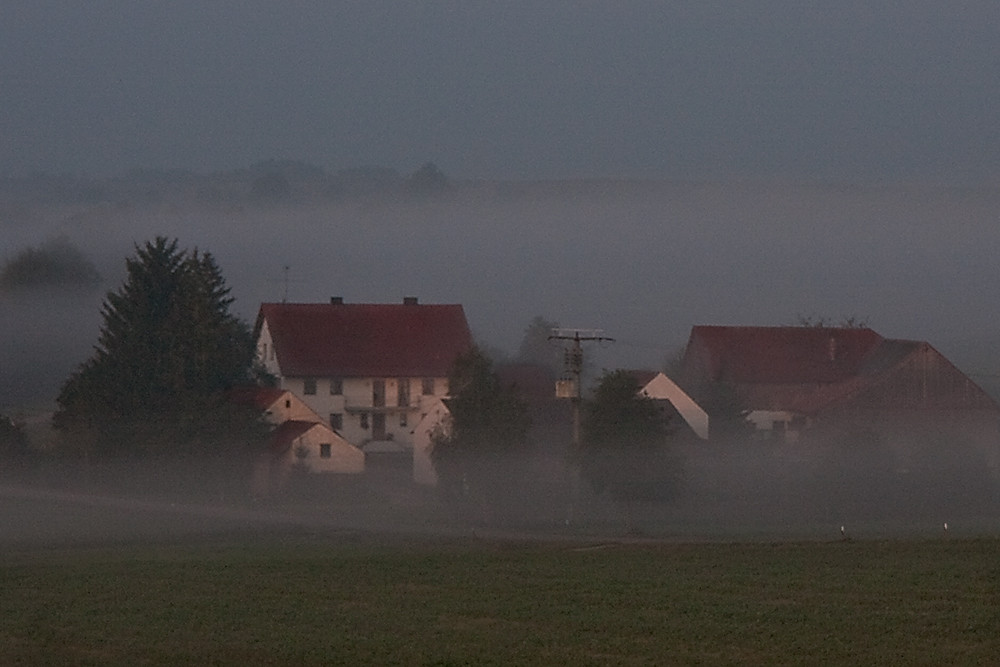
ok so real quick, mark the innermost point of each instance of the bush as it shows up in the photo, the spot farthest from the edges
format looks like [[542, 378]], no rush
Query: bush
[[55, 263]]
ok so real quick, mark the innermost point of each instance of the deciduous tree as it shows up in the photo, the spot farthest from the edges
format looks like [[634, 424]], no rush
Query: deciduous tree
[[624, 446], [489, 424], [57, 263], [536, 348]]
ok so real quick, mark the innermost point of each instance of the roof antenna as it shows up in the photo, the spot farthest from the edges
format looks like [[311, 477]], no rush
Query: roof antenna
[[286, 269]]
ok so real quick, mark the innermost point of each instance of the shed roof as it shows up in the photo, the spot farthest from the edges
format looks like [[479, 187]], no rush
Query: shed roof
[[366, 340]]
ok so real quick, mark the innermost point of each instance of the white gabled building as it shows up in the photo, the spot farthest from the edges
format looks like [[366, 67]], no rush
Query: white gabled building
[[661, 388], [372, 372]]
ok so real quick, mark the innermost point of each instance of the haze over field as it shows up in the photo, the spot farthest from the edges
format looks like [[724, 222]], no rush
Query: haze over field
[[830, 161], [642, 261]]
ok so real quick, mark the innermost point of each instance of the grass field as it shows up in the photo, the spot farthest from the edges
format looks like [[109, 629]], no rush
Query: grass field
[[296, 599]]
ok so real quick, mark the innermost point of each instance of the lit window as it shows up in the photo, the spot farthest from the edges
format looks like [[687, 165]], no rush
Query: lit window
[[309, 386], [324, 450]]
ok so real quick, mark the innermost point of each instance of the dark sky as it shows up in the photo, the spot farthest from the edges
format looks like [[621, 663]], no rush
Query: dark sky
[[841, 91]]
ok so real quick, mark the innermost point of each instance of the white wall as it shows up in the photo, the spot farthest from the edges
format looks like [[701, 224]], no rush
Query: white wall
[[357, 395]]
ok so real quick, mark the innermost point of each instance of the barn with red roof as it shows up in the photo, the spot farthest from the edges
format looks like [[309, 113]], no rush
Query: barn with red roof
[[371, 370], [793, 380]]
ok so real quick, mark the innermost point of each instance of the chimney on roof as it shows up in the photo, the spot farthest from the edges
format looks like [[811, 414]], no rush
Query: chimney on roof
[[409, 300], [336, 300]]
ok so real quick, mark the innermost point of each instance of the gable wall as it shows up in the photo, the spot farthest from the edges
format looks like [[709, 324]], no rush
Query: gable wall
[[265, 350], [290, 407], [344, 457], [663, 388]]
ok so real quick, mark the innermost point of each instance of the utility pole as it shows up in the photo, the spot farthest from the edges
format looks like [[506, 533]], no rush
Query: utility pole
[[570, 386]]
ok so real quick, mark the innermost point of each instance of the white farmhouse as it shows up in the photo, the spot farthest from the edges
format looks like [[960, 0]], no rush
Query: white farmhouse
[[371, 371]]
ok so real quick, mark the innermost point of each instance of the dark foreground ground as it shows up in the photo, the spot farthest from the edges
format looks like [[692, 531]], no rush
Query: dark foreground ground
[[113, 566], [286, 597]]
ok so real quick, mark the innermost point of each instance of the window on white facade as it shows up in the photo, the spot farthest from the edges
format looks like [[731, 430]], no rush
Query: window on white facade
[[404, 393], [336, 421], [336, 386], [402, 419], [309, 386], [324, 450], [364, 420], [427, 386]]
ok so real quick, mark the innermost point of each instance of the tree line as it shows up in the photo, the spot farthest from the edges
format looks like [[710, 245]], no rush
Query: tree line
[[169, 349]]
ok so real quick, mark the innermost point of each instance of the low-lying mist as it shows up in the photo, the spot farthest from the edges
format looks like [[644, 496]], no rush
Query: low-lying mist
[[643, 261], [723, 490]]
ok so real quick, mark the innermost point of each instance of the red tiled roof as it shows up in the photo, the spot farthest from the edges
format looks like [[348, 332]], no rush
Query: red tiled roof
[[260, 398], [801, 369], [366, 340], [808, 370], [286, 433], [783, 355]]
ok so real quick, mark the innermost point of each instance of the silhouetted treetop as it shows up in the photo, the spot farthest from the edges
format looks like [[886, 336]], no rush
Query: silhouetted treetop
[[55, 263]]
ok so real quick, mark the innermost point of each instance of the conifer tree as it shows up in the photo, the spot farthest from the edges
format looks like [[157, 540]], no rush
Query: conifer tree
[[167, 350]]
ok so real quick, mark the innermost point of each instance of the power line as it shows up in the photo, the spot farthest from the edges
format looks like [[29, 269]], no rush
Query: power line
[[569, 387]]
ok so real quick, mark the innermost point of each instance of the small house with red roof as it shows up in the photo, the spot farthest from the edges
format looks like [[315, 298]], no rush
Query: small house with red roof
[[371, 371], [308, 445], [792, 380], [275, 405], [300, 439]]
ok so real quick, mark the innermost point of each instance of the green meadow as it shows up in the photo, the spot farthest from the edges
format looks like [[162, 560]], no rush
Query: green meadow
[[328, 599]]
